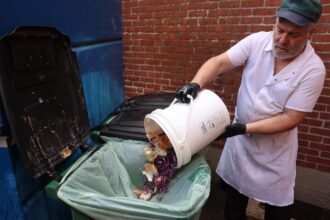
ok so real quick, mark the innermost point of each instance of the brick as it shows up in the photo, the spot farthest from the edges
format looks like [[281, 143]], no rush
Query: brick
[[315, 138], [147, 68], [325, 18], [313, 122], [327, 82], [252, 20], [269, 20], [321, 47], [273, 3], [162, 81], [129, 4], [151, 50], [130, 88], [169, 88], [325, 155], [323, 168], [252, 3], [325, 91], [263, 11], [301, 157], [318, 160], [307, 151], [133, 77], [196, 29], [141, 73], [218, 13], [154, 87], [257, 28], [200, 13], [320, 146], [325, 116], [313, 114], [320, 107], [240, 12], [306, 164], [327, 125], [320, 131], [303, 128], [303, 143], [229, 4], [324, 38]]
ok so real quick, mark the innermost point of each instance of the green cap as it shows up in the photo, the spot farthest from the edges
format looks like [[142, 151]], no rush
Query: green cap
[[300, 12]]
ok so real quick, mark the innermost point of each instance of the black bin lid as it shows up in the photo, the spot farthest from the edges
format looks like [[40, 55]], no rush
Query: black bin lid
[[127, 121], [42, 95], [150, 101]]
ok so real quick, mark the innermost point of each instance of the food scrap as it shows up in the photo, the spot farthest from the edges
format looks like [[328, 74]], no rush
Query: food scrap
[[160, 166]]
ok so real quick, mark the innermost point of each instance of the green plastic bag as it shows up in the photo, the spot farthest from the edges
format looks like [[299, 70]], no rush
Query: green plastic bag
[[101, 186]]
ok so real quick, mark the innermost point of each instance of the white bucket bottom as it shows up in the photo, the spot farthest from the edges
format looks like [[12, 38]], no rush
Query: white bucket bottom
[[190, 127]]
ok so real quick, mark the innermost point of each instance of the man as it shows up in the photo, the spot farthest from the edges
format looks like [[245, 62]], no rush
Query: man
[[281, 82]]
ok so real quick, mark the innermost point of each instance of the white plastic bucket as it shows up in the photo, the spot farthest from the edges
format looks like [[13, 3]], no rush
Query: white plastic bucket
[[190, 127]]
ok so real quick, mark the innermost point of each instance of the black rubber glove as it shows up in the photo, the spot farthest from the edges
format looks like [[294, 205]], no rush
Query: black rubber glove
[[190, 89], [233, 130]]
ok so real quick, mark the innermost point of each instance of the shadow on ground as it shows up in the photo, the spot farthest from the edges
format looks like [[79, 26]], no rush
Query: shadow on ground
[[214, 207]]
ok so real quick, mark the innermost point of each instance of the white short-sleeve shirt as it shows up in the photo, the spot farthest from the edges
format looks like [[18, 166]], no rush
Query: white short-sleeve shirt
[[263, 167]]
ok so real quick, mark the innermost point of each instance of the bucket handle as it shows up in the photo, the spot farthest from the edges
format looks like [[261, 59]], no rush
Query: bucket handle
[[182, 142]]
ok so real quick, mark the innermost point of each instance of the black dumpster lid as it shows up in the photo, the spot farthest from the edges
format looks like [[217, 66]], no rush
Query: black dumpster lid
[[127, 121], [150, 101], [42, 95]]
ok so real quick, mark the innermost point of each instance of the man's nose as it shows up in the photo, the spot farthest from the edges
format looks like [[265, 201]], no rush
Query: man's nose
[[283, 38]]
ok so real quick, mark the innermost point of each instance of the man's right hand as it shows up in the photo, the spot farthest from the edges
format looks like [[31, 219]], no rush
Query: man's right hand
[[233, 130], [190, 89]]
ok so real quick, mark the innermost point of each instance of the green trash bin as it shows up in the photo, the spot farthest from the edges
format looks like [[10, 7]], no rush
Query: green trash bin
[[100, 186]]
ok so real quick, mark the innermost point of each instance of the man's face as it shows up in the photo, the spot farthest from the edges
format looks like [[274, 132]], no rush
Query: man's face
[[289, 39]]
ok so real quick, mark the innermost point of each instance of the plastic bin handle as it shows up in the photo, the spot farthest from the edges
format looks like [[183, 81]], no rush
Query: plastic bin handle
[[182, 142]]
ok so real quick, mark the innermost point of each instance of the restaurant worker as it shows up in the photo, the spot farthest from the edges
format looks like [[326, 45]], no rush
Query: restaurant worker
[[281, 82]]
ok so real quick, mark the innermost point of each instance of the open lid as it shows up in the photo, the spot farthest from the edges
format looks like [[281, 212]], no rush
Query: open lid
[[42, 95], [127, 121]]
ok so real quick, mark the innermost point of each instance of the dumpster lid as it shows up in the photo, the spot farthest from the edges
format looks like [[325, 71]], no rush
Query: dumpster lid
[[127, 121], [126, 124], [42, 96], [150, 101]]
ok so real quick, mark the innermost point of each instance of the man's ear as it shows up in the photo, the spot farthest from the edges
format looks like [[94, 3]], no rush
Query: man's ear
[[311, 32]]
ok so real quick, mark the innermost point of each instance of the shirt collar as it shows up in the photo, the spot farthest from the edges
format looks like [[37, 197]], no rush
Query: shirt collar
[[295, 66], [269, 45]]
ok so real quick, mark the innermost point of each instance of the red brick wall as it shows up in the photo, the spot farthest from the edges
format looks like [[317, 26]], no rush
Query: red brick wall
[[166, 41]]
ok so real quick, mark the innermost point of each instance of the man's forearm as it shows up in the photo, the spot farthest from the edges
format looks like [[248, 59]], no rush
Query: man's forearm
[[283, 122], [211, 68]]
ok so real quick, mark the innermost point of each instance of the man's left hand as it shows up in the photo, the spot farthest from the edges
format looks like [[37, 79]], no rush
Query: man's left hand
[[233, 130]]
